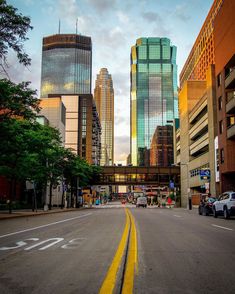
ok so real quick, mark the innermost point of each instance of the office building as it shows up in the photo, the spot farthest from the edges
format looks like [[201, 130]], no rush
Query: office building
[[202, 53], [66, 65], [66, 93], [176, 141], [224, 35], [82, 126], [161, 149], [154, 100], [54, 110], [197, 146], [104, 99]]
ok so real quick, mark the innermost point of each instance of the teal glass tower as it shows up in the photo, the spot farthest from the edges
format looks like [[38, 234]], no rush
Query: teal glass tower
[[153, 97]]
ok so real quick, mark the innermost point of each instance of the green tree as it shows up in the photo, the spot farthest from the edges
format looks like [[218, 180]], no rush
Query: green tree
[[27, 150], [13, 29], [17, 100]]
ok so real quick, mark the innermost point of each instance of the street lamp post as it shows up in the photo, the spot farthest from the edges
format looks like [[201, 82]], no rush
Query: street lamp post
[[188, 188]]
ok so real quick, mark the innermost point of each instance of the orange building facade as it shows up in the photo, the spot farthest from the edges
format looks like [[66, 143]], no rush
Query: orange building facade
[[224, 36], [202, 53]]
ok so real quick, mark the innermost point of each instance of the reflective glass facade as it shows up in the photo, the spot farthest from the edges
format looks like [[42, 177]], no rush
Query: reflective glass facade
[[154, 99], [66, 65], [104, 99]]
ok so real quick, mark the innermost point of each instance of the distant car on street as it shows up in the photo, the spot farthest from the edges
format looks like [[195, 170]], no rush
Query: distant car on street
[[225, 205], [205, 206], [141, 201]]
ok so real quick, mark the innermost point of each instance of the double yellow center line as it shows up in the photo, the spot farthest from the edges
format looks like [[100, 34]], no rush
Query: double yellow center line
[[131, 262]]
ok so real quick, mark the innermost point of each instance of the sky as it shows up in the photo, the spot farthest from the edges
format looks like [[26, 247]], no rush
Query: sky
[[114, 26]]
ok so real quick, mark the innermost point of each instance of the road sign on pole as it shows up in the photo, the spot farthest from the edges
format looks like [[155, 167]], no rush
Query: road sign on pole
[[205, 174]]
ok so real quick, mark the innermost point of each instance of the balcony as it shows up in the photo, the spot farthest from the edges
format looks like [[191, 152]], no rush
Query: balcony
[[231, 132], [199, 144], [198, 127], [230, 79], [230, 106]]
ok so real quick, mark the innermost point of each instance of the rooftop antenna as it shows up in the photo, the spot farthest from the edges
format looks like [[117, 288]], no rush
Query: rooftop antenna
[[76, 26], [59, 27]]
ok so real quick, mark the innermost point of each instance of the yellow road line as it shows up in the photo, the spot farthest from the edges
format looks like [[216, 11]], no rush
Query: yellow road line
[[132, 262], [110, 279]]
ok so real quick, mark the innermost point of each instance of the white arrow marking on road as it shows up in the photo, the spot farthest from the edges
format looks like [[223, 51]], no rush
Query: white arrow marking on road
[[56, 240], [43, 226], [177, 215], [19, 244], [223, 228]]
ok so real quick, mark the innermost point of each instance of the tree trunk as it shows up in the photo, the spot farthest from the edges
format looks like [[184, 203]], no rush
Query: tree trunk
[[10, 195], [62, 198], [50, 196]]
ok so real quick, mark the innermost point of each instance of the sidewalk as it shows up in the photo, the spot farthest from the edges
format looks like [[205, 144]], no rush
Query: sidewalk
[[4, 214]]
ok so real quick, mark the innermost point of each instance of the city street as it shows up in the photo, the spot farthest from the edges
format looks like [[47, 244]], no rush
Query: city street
[[178, 251]]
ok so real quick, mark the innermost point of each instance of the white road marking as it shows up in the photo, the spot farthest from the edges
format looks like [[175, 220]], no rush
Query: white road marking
[[44, 226], [19, 244], [72, 243], [177, 215], [56, 240], [222, 227]]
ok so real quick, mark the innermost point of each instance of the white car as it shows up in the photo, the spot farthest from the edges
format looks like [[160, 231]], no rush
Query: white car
[[141, 201], [225, 205]]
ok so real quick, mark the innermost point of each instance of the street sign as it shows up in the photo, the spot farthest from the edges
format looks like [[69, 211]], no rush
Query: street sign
[[172, 186], [205, 174]]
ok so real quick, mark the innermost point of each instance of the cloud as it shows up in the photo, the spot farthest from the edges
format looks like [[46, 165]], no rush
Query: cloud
[[102, 5], [155, 21], [122, 147], [19, 73], [151, 17], [123, 18], [121, 119], [121, 82], [180, 13]]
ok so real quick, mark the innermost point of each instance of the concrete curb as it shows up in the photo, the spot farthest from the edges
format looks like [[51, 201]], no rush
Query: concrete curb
[[16, 214]]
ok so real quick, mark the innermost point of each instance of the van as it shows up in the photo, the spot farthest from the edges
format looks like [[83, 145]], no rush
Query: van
[[141, 201]]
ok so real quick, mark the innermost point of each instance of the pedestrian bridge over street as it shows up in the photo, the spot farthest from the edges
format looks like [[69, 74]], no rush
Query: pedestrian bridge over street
[[139, 175]]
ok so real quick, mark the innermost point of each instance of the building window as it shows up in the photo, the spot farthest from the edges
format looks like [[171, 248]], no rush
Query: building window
[[228, 71], [220, 102], [222, 155], [230, 121], [219, 79], [221, 127]]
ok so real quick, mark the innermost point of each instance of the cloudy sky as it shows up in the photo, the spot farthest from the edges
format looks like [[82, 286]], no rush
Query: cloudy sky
[[114, 26]]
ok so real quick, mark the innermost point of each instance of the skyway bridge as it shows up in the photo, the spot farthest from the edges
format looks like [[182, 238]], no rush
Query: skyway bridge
[[140, 175]]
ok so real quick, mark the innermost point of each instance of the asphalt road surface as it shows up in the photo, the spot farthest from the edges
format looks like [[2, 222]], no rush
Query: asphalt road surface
[[118, 248]]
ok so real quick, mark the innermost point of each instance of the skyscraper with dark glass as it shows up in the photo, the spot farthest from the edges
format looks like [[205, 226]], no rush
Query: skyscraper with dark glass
[[154, 100], [66, 64], [66, 77]]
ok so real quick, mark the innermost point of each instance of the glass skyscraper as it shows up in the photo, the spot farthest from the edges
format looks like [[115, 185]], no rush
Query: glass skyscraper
[[66, 64], [104, 98], [154, 99]]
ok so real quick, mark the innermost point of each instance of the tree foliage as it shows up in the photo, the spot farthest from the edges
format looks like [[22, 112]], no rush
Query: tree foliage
[[28, 150], [17, 100], [13, 29]]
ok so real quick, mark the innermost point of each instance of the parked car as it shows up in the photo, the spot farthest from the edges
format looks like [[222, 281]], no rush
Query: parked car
[[205, 206], [225, 205], [141, 201]]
